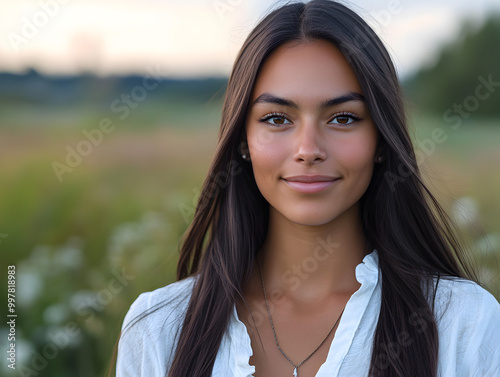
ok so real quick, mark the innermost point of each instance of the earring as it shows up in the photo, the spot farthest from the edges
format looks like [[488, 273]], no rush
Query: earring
[[379, 159], [243, 150]]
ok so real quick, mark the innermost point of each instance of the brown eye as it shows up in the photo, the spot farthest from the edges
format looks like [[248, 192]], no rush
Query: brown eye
[[343, 119], [275, 120]]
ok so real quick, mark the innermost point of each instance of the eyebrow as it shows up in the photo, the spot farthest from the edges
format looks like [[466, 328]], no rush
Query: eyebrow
[[347, 97]]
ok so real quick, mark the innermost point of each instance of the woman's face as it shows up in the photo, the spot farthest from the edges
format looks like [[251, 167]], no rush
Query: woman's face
[[311, 139]]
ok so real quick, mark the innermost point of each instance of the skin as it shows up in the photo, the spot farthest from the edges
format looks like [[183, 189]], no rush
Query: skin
[[308, 284]]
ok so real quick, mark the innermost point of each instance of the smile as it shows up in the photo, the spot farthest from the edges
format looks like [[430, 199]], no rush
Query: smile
[[310, 184]]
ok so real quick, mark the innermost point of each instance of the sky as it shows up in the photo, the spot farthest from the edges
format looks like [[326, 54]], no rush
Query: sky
[[198, 37]]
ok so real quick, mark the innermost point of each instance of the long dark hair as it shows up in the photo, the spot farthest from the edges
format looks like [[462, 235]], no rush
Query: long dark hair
[[401, 219]]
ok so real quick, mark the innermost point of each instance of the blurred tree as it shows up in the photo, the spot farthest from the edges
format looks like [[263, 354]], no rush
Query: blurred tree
[[463, 65]]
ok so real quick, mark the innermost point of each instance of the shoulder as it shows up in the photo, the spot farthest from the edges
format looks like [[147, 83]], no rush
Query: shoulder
[[169, 300], [150, 329], [464, 298], [468, 321]]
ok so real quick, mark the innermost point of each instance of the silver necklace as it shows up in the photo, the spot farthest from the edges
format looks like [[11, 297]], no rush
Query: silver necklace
[[295, 366]]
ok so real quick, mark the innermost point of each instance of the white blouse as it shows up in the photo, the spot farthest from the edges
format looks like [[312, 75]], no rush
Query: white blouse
[[468, 320]]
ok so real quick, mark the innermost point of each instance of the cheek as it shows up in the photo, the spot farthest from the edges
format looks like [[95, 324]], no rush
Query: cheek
[[357, 156], [261, 141], [267, 152]]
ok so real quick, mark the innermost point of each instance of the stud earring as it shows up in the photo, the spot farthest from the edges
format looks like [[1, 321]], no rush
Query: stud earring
[[243, 150]]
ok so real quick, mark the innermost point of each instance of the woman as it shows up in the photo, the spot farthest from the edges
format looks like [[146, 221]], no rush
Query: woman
[[316, 249]]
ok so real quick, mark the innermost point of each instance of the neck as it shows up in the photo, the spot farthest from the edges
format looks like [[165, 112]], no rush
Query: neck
[[311, 262]]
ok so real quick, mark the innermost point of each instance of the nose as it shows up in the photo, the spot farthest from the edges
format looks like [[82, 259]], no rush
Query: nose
[[309, 145]]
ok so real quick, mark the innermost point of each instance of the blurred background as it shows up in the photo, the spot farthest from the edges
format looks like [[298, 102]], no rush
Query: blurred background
[[109, 113]]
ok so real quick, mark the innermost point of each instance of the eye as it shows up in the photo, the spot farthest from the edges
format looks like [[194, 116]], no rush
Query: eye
[[275, 119], [344, 118]]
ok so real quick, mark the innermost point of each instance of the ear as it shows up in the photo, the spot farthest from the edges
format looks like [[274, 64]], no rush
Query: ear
[[381, 152], [243, 150]]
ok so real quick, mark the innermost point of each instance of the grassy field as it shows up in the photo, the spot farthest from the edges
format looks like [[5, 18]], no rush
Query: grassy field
[[118, 216]]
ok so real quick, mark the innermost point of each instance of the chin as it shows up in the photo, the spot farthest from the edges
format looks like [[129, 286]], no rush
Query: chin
[[312, 219]]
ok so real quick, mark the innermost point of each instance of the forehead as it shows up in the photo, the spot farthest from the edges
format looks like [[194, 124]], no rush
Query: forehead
[[310, 70]]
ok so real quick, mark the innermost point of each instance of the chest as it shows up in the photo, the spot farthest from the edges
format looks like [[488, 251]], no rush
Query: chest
[[304, 352], [292, 343]]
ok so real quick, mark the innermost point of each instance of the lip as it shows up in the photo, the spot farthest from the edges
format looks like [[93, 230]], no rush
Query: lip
[[309, 184], [310, 178]]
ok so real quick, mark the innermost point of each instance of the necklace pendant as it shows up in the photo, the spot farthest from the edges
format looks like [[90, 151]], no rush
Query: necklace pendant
[[295, 372]]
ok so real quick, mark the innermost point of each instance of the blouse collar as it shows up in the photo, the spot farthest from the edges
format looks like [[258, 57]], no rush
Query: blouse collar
[[367, 274]]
